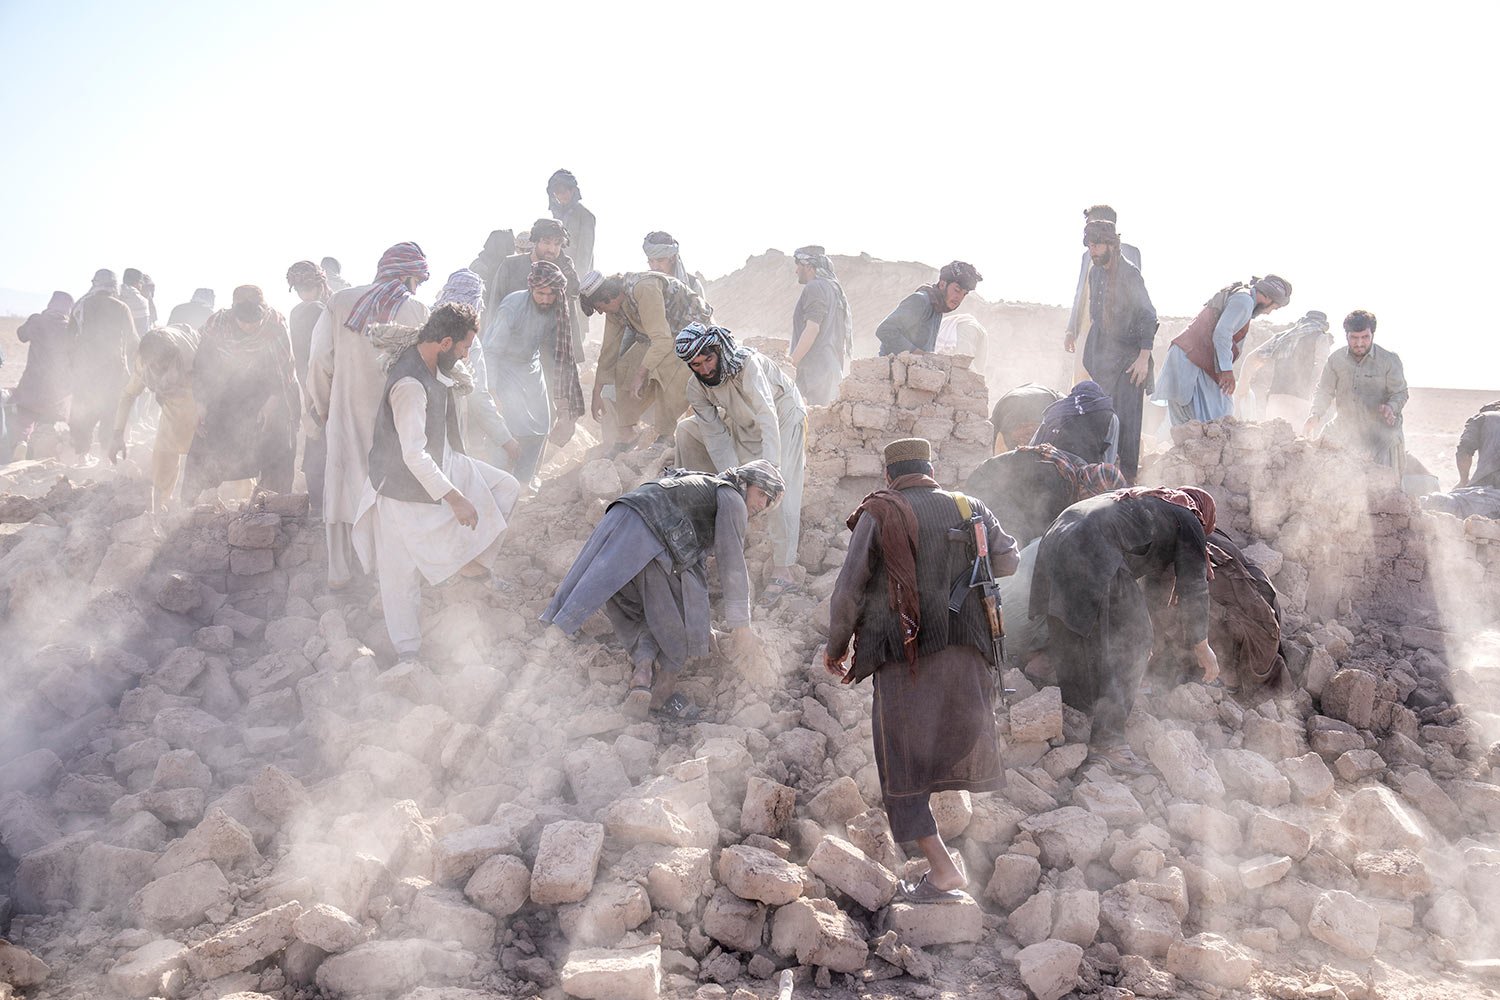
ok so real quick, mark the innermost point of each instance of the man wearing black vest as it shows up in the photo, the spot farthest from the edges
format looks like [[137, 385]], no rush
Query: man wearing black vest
[[429, 510], [934, 719]]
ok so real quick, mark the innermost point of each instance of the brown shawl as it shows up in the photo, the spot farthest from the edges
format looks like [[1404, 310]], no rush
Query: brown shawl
[[898, 547]]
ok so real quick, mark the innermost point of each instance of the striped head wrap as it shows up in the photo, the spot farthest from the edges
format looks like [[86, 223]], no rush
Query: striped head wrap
[[696, 339], [463, 287], [659, 245], [386, 295], [1087, 479], [757, 473], [545, 274], [1273, 287], [305, 272], [818, 258], [590, 283]]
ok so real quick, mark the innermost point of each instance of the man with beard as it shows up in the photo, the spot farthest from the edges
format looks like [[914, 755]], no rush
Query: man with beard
[[913, 324], [310, 282], [164, 364], [646, 566], [1284, 369], [1078, 318], [665, 256], [248, 399], [744, 407], [566, 205], [428, 511], [548, 240], [194, 312], [104, 336], [528, 350], [638, 366], [822, 327], [1197, 380], [1366, 386], [934, 669], [41, 397], [1122, 325], [346, 385]]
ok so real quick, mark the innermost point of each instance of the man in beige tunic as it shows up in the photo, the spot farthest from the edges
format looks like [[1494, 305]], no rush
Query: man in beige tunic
[[1366, 386], [346, 385], [745, 407]]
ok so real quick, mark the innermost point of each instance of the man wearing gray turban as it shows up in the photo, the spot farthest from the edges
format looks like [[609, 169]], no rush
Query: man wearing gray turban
[[1078, 319], [664, 255], [1197, 380]]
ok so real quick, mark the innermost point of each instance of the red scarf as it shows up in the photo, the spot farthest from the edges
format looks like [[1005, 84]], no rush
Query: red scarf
[[898, 548]]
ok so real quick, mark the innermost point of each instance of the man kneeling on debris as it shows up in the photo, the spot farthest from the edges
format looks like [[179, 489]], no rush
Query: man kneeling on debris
[[429, 510], [1100, 567], [646, 565], [745, 407], [911, 557]]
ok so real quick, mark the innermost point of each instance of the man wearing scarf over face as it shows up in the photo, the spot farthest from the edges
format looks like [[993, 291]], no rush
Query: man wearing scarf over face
[[346, 384], [1082, 423], [429, 511], [1197, 380], [1122, 326], [1100, 568], [248, 399], [913, 324], [646, 565], [103, 337], [744, 407], [528, 354], [822, 328], [934, 718]]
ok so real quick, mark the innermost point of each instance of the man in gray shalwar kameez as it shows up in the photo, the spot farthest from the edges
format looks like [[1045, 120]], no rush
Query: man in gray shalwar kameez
[[822, 328]]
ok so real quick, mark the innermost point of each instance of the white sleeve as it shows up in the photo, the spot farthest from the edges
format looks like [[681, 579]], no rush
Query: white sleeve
[[409, 406]]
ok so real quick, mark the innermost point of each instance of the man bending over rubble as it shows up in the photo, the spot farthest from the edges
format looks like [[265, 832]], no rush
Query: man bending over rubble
[[646, 565], [429, 510], [933, 669], [1478, 489], [913, 324]]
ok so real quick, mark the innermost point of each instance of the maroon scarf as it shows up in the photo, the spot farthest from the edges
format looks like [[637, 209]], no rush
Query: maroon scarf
[[898, 547]]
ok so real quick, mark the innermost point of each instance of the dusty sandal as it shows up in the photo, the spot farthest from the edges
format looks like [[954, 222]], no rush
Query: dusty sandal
[[923, 891], [775, 591], [637, 703], [679, 708], [1122, 759]]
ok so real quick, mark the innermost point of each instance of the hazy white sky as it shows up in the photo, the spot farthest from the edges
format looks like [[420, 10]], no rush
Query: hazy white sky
[[1340, 145]]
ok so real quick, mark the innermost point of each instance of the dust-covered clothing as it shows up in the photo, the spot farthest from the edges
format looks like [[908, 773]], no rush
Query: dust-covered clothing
[[1020, 408], [345, 384], [300, 324], [1078, 316], [140, 307], [1187, 386], [104, 337], [41, 396], [1480, 441], [755, 413], [913, 324], [1122, 324], [516, 335], [170, 382], [826, 362], [1356, 388], [581, 226], [1100, 566], [655, 307], [193, 314]]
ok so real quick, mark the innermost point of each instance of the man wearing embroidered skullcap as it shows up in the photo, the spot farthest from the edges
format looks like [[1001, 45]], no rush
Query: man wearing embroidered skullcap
[[664, 255], [646, 566], [638, 366], [1078, 317], [1197, 380], [743, 407], [913, 324], [549, 242], [822, 341], [1122, 326], [528, 348], [934, 669], [1365, 387], [346, 383], [429, 512], [104, 336], [194, 312]]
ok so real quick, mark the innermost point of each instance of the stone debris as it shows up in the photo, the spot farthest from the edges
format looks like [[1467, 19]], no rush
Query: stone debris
[[1049, 968]]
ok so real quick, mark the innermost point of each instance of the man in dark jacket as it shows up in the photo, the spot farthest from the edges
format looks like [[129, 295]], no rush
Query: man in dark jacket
[[913, 324], [104, 337], [934, 720], [1122, 325]]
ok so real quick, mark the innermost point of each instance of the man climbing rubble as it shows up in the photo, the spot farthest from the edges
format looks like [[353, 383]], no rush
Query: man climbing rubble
[[745, 407], [429, 511], [1366, 387], [913, 324], [933, 668], [646, 565]]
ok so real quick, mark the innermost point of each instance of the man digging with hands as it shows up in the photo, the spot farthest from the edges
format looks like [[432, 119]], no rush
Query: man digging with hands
[[933, 668]]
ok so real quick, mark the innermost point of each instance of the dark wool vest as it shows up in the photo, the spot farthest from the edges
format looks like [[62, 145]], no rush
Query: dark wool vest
[[1197, 341], [388, 471], [680, 511], [945, 551]]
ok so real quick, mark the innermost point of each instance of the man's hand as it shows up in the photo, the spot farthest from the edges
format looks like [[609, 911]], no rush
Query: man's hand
[[835, 664], [1388, 414], [117, 451], [638, 384], [1138, 369], [596, 404], [1070, 342], [1207, 661], [1226, 382], [462, 509], [512, 449]]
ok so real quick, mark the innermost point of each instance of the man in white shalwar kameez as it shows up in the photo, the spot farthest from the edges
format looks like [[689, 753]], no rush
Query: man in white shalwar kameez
[[346, 385], [428, 511]]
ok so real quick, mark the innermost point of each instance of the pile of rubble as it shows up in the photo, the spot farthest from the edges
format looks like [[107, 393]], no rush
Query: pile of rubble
[[213, 785]]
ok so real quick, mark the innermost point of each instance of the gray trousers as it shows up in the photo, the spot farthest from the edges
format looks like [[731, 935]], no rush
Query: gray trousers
[[786, 518]]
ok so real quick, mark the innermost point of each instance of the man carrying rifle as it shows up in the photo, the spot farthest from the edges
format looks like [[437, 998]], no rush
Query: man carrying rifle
[[912, 553]]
